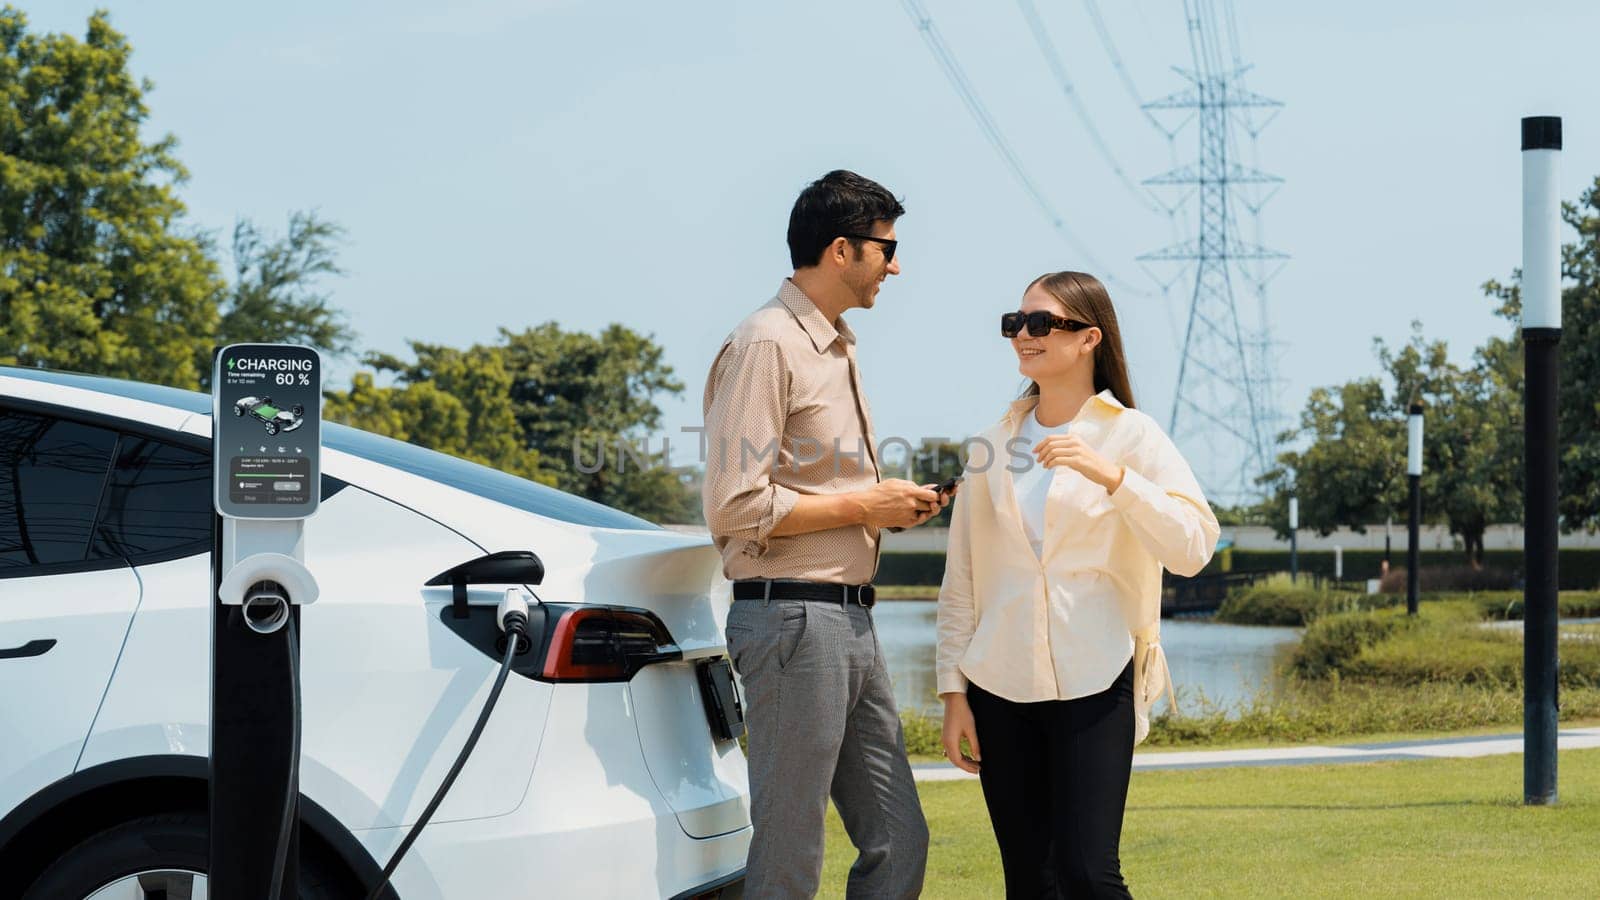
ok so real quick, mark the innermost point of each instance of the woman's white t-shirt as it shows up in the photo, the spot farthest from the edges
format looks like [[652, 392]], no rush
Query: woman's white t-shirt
[[1033, 483]]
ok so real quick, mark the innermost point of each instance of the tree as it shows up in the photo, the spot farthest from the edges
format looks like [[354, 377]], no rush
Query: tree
[[1242, 514], [568, 383], [576, 392], [462, 409], [1353, 470], [1472, 447], [1349, 473], [96, 272], [1580, 366], [574, 401], [1473, 453], [274, 297], [1579, 415]]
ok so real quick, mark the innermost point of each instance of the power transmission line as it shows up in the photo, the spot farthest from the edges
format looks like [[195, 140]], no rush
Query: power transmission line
[[991, 131], [1178, 227], [1099, 23], [1233, 35], [1052, 58]]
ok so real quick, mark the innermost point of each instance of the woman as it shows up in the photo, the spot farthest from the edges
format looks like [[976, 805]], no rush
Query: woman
[[1050, 611]]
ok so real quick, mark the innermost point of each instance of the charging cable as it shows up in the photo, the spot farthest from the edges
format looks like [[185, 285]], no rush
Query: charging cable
[[265, 610], [512, 617], [280, 859]]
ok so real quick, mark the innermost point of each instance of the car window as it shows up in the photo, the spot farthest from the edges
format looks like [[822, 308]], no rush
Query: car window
[[51, 475], [157, 502]]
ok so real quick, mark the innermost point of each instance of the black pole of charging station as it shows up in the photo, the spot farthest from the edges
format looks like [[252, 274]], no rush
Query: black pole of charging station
[[254, 736], [253, 712], [1541, 340]]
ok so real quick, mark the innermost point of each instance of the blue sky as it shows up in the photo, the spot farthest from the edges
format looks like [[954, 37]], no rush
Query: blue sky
[[508, 163]]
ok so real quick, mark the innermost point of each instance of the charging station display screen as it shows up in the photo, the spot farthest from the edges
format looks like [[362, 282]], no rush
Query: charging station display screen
[[267, 431]]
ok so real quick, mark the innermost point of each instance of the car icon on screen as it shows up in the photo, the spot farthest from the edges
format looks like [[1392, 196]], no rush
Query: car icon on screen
[[274, 418]]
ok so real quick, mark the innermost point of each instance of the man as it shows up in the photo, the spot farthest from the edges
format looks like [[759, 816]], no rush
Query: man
[[795, 502]]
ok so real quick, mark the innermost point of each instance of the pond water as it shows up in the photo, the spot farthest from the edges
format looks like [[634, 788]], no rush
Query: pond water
[[1226, 663]]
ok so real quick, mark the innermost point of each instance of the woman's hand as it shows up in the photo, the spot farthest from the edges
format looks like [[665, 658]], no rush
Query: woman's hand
[[1072, 451], [958, 724]]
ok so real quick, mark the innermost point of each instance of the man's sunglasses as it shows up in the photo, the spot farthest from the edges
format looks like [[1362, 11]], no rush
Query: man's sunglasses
[[889, 244], [1038, 322]]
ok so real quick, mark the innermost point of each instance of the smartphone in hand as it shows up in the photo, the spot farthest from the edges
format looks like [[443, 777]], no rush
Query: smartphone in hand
[[944, 489]]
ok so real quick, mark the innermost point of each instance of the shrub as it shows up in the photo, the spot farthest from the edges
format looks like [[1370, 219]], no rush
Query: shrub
[[1279, 601], [1510, 604], [1450, 578], [1446, 642], [1330, 643], [1454, 655], [1336, 708], [924, 734], [1467, 654], [1497, 605]]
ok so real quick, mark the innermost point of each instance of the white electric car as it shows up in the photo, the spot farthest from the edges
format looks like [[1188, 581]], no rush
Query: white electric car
[[599, 773]]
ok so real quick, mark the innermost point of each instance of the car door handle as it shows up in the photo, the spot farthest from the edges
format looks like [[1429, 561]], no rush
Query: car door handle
[[32, 648]]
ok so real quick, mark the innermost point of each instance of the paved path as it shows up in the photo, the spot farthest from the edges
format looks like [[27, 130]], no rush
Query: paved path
[[1443, 748]]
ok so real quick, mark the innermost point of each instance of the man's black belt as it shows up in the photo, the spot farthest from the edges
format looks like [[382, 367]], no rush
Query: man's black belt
[[816, 591]]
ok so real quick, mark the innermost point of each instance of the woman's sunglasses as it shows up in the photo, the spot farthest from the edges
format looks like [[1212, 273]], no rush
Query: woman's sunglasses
[[1038, 323]]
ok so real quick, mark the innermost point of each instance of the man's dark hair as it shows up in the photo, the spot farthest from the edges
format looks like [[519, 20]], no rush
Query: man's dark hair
[[837, 204]]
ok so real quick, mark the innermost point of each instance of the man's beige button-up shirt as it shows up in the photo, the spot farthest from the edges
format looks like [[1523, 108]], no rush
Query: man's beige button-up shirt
[[784, 416]]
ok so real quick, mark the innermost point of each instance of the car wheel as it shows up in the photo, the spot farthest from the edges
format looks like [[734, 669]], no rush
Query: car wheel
[[238, 411], [157, 856], [272, 428]]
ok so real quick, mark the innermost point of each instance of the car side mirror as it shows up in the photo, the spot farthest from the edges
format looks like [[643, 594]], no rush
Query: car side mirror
[[505, 567]]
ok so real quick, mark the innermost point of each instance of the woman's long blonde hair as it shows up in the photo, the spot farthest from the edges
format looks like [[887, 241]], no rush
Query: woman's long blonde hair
[[1086, 300]]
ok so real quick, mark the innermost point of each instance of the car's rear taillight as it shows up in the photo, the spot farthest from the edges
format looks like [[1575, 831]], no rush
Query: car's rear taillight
[[605, 643]]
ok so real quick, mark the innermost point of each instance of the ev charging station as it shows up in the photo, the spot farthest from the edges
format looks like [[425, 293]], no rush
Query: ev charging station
[[267, 481], [266, 477]]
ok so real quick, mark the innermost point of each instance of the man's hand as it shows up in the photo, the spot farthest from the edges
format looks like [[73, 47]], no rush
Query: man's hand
[[958, 724], [897, 503], [1073, 452], [944, 499]]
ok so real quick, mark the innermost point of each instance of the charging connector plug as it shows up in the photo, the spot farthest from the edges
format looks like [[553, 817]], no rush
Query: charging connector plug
[[512, 617]]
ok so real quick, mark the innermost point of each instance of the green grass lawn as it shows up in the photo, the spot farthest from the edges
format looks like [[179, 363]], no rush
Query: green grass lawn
[[1436, 828], [1380, 737]]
